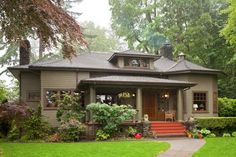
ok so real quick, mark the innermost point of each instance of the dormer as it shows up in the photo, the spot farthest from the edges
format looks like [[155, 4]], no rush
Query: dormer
[[133, 60]]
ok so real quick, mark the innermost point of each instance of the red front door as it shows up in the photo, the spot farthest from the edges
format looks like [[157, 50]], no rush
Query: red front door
[[150, 105]]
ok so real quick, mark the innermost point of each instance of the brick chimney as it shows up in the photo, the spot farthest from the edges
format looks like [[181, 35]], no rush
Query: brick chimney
[[167, 51], [24, 52]]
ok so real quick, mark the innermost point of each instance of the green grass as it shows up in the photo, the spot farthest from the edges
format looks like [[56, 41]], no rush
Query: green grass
[[218, 147], [84, 149]]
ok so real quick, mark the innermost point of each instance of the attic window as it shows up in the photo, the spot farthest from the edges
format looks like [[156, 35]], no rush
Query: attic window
[[136, 62]]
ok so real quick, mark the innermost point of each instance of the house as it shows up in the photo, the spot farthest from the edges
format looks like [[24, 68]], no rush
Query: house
[[153, 84]]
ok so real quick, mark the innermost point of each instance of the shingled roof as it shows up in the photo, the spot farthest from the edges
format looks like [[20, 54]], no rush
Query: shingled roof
[[136, 80], [100, 62]]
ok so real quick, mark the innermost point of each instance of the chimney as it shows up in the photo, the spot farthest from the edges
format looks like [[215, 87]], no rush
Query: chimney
[[167, 51], [24, 52], [181, 56]]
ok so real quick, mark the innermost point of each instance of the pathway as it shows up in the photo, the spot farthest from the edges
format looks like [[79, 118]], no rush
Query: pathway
[[181, 147]]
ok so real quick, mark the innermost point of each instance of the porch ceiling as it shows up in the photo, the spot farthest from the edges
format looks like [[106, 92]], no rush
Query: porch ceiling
[[135, 80]]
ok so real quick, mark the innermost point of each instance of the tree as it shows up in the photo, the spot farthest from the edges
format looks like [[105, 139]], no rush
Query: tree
[[191, 26], [229, 31], [98, 39], [45, 19]]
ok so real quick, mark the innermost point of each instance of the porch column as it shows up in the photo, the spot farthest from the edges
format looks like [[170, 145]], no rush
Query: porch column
[[139, 104], [180, 105], [92, 99]]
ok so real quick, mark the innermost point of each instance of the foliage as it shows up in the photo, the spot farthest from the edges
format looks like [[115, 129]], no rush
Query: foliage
[[86, 149], [69, 107], [69, 114], [227, 107], [191, 26], [35, 127], [229, 31], [56, 137], [98, 39], [71, 130], [217, 125], [15, 112], [101, 135], [234, 134], [3, 92], [131, 131], [216, 122], [110, 116], [205, 132], [14, 133], [211, 135], [226, 135], [45, 19]]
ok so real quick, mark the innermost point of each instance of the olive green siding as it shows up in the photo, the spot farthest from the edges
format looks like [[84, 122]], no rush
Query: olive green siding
[[30, 82]]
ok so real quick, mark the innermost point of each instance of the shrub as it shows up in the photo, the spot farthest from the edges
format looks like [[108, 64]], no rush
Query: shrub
[[12, 116], [217, 125], [234, 134], [69, 114], [71, 130], [226, 135], [101, 135], [205, 132], [14, 133], [211, 135], [110, 116], [131, 131], [35, 126], [227, 107], [54, 138]]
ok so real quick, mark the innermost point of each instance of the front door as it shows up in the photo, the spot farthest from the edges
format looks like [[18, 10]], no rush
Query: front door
[[149, 105]]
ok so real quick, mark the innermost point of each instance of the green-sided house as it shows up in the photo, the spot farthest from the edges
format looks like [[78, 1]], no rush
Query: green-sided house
[[153, 84]]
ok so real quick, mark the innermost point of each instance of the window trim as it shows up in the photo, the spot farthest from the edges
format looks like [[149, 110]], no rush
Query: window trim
[[207, 101], [55, 89]]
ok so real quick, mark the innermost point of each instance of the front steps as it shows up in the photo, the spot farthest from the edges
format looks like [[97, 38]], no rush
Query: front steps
[[167, 129]]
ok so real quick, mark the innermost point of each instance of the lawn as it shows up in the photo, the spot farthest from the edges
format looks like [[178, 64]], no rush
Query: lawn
[[218, 147], [84, 149]]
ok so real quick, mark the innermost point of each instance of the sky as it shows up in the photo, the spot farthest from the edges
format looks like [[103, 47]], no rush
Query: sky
[[97, 11]]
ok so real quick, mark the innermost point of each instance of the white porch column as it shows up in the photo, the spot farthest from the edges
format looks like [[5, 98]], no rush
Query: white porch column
[[180, 105], [139, 104], [92, 99]]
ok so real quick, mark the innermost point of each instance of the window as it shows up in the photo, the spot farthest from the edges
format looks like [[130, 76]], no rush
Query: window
[[200, 101], [33, 96], [53, 95], [137, 62]]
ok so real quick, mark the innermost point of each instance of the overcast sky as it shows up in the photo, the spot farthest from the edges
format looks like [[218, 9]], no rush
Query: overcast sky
[[97, 11]]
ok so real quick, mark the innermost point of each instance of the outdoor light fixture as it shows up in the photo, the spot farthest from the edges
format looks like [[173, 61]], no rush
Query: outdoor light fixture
[[195, 106]]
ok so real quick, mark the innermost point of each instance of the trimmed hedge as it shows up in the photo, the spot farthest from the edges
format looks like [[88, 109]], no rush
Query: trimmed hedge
[[227, 107], [217, 125]]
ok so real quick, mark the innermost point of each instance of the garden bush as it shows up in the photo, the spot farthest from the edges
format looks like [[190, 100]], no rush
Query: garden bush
[[101, 135], [110, 116], [227, 107], [35, 126], [70, 114], [211, 135], [226, 135], [12, 116], [217, 125], [234, 134]]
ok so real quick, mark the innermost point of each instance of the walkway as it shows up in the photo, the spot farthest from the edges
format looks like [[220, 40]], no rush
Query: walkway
[[181, 147]]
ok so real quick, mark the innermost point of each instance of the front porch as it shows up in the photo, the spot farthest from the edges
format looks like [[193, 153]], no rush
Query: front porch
[[149, 96]]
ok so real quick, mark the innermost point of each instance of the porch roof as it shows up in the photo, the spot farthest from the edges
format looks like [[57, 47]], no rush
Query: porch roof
[[135, 80]]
